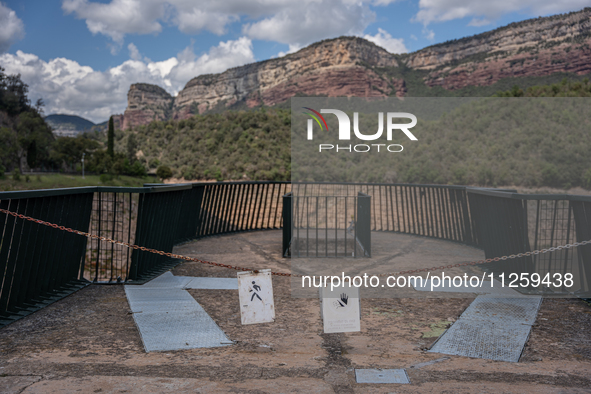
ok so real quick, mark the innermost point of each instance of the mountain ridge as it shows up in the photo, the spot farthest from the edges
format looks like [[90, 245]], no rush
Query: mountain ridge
[[68, 125], [353, 66]]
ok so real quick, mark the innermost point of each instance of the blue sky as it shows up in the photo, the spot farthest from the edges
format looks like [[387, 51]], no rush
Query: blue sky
[[80, 56]]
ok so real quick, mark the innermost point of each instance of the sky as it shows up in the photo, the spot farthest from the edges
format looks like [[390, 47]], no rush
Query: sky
[[81, 56]]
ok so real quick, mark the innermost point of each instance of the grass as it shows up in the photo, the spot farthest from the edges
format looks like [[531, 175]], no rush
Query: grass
[[55, 181]]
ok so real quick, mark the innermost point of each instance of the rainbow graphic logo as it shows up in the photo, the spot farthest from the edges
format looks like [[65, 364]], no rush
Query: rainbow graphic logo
[[316, 115]]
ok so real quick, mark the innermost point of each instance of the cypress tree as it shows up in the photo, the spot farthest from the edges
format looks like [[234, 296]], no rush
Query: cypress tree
[[111, 138]]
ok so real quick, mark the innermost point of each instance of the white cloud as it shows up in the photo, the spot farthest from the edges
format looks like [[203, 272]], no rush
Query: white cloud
[[479, 22], [385, 40], [226, 55], [70, 88], [11, 28], [292, 49], [285, 21], [119, 17], [383, 2], [196, 20], [429, 34], [309, 21], [134, 53], [484, 11]]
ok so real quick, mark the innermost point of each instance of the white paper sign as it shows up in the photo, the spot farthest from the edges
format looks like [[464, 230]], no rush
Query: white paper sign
[[256, 297], [340, 309]]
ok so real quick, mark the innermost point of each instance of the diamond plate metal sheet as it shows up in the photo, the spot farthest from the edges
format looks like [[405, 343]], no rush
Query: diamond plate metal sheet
[[159, 307], [213, 283], [169, 318], [501, 310], [381, 376], [494, 328], [184, 280], [166, 280], [155, 299], [179, 330], [136, 293], [480, 339]]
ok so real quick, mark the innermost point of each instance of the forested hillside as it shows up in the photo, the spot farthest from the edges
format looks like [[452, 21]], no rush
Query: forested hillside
[[25, 138], [236, 145], [231, 145]]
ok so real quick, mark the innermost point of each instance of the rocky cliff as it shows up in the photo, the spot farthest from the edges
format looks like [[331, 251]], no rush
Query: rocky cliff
[[535, 47], [352, 66], [338, 67], [146, 103]]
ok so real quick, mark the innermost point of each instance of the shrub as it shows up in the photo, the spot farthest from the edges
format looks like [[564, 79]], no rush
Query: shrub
[[164, 172], [106, 178], [138, 169], [587, 179], [16, 174]]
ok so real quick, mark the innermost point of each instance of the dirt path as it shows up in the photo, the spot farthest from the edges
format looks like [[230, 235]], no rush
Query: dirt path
[[88, 342]]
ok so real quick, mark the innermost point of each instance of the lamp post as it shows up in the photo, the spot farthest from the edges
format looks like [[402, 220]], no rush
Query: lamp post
[[83, 165]]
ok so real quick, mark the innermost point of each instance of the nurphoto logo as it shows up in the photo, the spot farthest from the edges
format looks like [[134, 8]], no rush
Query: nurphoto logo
[[345, 130]]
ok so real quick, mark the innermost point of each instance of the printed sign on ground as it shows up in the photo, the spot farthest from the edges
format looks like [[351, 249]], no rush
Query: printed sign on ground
[[340, 309], [255, 291]]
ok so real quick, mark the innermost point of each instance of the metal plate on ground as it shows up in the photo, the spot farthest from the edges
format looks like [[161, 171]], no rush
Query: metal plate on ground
[[179, 330], [158, 299], [161, 306], [494, 328], [499, 310], [167, 280], [480, 339], [212, 283], [381, 376], [169, 318], [135, 293]]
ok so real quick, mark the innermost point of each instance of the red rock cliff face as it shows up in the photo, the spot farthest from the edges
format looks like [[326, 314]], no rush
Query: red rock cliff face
[[566, 58], [339, 67], [146, 103], [352, 66], [535, 47]]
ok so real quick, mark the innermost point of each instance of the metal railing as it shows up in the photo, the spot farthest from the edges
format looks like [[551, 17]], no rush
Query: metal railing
[[240, 206], [326, 226], [437, 211], [39, 265], [512, 223]]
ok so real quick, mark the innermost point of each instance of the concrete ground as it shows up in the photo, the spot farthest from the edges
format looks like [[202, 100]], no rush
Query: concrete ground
[[89, 343]]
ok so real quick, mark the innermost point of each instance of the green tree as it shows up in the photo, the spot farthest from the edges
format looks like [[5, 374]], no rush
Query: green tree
[[27, 135], [111, 138], [34, 138], [8, 147], [69, 150], [164, 172], [32, 154], [131, 147]]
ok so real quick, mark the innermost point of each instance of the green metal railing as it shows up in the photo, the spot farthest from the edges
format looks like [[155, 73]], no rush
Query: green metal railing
[[240, 206], [326, 226], [437, 211], [39, 264], [511, 223]]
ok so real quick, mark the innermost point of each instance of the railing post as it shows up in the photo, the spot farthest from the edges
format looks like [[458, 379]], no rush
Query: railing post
[[287, 223]]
